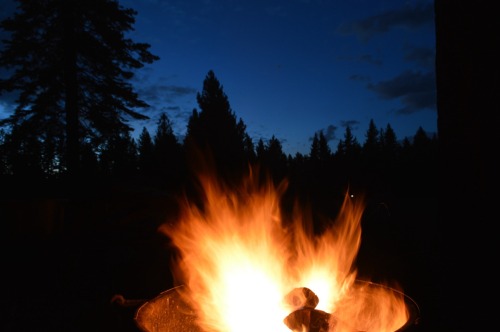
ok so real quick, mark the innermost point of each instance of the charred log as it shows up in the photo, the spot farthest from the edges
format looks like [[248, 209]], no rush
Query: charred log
[[308, 320]]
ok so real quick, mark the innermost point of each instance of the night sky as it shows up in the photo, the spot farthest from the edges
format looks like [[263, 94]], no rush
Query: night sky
[[290, 68]]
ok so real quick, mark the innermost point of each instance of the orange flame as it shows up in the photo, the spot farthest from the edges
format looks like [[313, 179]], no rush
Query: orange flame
[[239, 260]]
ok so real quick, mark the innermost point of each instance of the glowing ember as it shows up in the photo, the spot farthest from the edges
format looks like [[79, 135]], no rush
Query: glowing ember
[[239, 261]]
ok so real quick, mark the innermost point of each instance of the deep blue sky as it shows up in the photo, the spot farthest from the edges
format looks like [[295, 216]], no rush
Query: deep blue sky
[[291, 68]]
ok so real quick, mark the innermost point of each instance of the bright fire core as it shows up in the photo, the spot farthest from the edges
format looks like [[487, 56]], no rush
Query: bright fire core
[[238, 261]]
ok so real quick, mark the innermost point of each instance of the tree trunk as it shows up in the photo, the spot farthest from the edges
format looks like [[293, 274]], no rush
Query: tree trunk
[[71, 86]]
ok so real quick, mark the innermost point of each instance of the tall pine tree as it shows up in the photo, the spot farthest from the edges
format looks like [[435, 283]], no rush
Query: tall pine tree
[[216, 132], [167, 156], [70, 62], [146, 152]]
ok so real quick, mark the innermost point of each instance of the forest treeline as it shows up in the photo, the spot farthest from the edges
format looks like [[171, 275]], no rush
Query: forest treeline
[[165, 162], [72, 71]]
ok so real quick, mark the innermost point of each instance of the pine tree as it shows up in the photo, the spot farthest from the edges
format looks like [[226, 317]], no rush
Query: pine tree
[[421, 142], [23, 153], [167, 154], [275, 159], [4, 166], [390, 146], [320, 151], [71, 62], [422, 161], [390, 141], [216, 132], [166, 146], [314, 151], [348, 157], [371, 146], [349, 147], [260, 150], [372, 161], [325, 153], [118, 156], [145, 150], [248, 146]]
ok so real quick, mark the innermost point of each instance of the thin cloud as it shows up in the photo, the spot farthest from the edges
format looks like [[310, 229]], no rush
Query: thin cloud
[[406, 17], [329, 133], [159, 94], [8, 99], [368, 58], [178, 115], [357, 77], [179, 91], [416, 90], [417, 101], [7, 8], [353, 124], [422, 56], [175, 100]]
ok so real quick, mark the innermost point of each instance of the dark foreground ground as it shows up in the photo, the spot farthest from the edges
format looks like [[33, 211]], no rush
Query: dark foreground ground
[[61, 279]]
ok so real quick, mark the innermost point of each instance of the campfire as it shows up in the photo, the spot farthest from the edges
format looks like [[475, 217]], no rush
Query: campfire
[[242, 267]]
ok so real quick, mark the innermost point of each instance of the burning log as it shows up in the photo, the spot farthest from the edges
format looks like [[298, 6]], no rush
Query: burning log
[[308, 320], [305, 318], [302, 297]]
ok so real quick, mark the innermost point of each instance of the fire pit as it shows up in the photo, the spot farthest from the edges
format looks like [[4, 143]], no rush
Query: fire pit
[[169, 312], [242, 268]]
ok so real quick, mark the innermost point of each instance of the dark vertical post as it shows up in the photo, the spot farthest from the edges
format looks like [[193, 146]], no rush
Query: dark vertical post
[[468, 91], [71, 89]]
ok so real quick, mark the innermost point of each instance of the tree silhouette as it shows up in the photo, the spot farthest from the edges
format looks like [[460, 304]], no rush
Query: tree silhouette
[[420, 159], [216, 132], [23, 152], [390, 150], [118, 157], [70, 62], [349, 147], [271, 158], [348, 158], [4, 164], [320, 152], [371, 159], [145, 150], [165, 141], [90, 161], [248, 146], [314, 151], [167, 154], [371, 146], [389, 140], [260, 149]]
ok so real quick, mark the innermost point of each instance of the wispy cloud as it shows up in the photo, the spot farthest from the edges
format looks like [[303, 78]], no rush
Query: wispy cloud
[[368, 58], [415, 86], [406, 17], [165, 96], [422, 56], [329, 132], [353, 124], [416, 90], [159, 95]]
